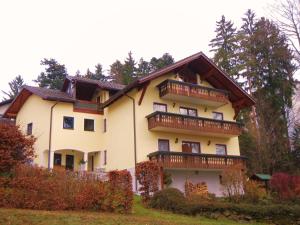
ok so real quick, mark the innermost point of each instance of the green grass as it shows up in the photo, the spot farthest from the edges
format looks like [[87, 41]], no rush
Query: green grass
[[140, 215]]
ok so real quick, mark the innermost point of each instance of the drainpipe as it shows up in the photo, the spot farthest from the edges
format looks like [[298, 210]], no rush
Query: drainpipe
[[50, 134], [134, 137]]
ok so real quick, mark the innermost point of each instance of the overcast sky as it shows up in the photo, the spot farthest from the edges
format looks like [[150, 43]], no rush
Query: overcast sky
[[81, 34]]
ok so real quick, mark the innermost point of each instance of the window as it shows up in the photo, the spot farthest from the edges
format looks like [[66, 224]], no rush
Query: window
[[105, 157], [221, 150], [104, 125], [191, 147], [57, 159], [29, 129], [188, 111], [88, 125], [68, 122], [217, 116], [163, 145], [159, 107]]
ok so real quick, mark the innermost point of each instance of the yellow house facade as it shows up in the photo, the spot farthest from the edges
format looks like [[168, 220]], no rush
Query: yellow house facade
[[182, 116]]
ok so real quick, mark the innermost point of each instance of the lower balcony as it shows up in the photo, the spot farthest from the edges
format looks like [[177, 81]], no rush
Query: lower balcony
[[177, 123], [87, 107], [183, 160]]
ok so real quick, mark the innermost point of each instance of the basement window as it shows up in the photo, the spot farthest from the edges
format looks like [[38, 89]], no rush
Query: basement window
[[29, 129], [88, 125], [68, 122]]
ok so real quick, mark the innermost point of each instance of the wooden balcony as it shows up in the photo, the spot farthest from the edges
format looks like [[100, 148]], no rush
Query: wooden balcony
[[87, 107], [177, 123], [192, 93], [182, 160]]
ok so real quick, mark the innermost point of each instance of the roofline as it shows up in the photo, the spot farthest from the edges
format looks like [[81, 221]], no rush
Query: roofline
[[70, 78], [168, 69], [25, 88]]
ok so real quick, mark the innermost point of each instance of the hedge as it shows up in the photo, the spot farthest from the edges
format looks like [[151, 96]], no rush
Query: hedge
[[167, 200], [32, 187]]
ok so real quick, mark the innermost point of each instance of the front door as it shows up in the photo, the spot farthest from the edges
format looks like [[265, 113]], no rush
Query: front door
[[69, 162]]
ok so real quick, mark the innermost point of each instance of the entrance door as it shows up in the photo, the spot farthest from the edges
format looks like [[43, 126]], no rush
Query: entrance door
[[69, 162]]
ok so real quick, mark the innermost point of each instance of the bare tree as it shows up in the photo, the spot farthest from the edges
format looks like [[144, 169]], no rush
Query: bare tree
[[287, 15]]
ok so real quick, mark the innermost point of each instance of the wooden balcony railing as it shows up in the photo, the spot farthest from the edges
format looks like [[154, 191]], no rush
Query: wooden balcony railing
[[171, 122], [183, 160], [210, 96], [87, 107]]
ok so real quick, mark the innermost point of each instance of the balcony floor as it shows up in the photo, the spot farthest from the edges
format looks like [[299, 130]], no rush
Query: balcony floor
[[192, 132], [194, 100]]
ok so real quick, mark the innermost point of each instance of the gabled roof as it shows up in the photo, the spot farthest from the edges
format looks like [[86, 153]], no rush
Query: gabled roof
[[44, 93], [101, 84], [198, 63]]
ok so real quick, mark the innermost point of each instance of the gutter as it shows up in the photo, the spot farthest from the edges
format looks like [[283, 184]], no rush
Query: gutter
[[50, 134], [134, 137]]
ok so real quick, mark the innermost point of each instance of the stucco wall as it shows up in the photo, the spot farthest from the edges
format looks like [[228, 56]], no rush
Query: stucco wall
[[37, 111], [211, 178]]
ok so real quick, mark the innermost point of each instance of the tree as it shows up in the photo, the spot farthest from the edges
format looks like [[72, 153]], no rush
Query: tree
[[15, 147], [273, 86], [116, 72], [99, 74], [287, 16], [15, 86], [143, 68], [225, 47], [54, 74], [158, 63], [129, 69], [89, 74], [296, 147]]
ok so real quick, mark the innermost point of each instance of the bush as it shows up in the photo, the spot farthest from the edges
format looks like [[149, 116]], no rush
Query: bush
[[254, 192], [32, 187], [15, 147], [147, 174], [233, 179], [285, 186], [169, 199], [173, 200]]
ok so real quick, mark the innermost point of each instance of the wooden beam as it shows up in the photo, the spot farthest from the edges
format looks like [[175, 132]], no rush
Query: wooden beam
[[143, 93]]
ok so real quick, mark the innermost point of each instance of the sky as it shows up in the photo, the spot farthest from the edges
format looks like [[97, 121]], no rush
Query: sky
[[82, 33]]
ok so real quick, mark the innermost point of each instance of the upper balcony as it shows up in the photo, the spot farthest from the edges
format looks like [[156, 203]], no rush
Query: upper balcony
[[87, 107], [192, 93], [177, 123], [184, 160]]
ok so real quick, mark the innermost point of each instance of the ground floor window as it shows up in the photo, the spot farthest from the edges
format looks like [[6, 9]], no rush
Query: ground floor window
[[57, 159]]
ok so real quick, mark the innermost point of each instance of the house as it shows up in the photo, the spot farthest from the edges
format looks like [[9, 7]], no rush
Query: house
[[182, 116]]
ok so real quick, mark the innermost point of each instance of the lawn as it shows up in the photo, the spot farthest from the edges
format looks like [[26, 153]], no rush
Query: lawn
[[140, 215]]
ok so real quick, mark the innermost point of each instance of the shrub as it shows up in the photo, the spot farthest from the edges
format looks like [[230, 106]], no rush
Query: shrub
[[32, 187], [147, 174], [253, 191], [233, 179], [173, 200], [285, 186], [169, 199], [120, 191], [15, 147]]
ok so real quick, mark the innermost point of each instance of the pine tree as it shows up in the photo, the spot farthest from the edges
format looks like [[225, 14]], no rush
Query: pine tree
[[158, 63], [143, 68], [116, 72], [129, 69], [54, 74], [15, 87], [89, 74], [99, 75], [225, 47], [273, 86]]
